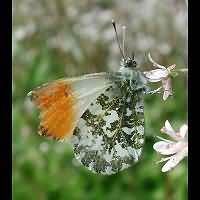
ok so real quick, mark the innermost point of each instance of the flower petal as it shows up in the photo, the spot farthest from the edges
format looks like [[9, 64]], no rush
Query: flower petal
[[175, 159], [168, 129], [156, 75], [183, 130], [167, 88], [166, 148]]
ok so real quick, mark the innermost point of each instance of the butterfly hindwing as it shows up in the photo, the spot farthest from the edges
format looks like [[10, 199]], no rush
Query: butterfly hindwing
[[110, 134], [62, 102]]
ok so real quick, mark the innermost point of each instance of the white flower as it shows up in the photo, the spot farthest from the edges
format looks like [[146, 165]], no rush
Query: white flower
[[162, 74], [178, 149]]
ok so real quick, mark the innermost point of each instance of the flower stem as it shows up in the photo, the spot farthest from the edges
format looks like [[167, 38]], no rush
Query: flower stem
[[181, 70]]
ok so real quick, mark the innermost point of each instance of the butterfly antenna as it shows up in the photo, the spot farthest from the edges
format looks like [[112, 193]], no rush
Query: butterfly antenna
[[123, 39], [133, 55], [145, 56], [114, 26]]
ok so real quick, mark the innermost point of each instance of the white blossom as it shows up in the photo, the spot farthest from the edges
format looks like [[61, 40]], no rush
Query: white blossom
[[162, 74], [178, 148]]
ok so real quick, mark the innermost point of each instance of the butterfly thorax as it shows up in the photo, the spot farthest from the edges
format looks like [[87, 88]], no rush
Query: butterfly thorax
[[129, 71]]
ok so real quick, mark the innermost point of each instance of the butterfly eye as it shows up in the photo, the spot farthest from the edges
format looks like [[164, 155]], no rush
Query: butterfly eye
[[134, 64], [130, 63]]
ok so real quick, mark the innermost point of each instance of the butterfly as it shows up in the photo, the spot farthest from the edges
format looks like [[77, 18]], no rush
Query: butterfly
[[101, 114]]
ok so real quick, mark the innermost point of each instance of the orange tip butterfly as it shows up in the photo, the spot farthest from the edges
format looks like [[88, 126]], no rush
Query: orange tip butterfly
[[102, 115]]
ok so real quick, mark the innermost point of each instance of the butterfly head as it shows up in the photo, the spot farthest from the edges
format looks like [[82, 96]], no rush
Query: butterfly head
[[127, 62], [130, 63]]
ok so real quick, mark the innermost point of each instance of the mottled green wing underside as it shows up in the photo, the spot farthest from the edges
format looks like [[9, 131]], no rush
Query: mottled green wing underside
[[110, 134]]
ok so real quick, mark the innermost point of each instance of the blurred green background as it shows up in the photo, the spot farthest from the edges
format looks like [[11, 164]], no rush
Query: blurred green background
[[63, 38]]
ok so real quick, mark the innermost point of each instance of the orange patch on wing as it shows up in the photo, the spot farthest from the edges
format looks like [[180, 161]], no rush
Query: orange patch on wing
[[57, 105]]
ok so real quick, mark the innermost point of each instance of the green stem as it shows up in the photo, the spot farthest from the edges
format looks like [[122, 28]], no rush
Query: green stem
[[168, 188], [181, 70]]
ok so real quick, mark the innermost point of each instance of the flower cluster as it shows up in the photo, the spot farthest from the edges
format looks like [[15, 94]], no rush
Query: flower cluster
[[178, 147]]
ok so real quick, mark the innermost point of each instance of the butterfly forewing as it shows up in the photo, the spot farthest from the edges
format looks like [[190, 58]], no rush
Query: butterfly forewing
[[110, 134], [62, 102]]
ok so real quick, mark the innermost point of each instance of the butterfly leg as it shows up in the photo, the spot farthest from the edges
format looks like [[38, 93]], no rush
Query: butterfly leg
[[148, 91]]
